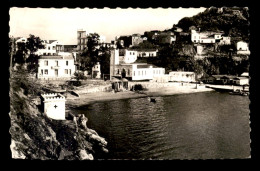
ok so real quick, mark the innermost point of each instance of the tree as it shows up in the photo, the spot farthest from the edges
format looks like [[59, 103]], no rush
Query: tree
[[25, 53], [32, 45], [89, 56], [20, 56], [105, 62], [144, 45]]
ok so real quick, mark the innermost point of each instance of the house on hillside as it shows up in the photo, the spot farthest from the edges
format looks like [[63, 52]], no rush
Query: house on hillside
[[56, 67], [226, 40], [242, 48], [147, 52], [136, 39], [51, 47], [245, 74], [206, 37]]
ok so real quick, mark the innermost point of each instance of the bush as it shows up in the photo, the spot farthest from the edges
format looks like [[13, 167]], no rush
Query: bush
[[137, 87], [80, 76]]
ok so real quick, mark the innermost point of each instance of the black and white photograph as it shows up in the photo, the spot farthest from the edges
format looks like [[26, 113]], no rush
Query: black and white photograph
[[129, 83]]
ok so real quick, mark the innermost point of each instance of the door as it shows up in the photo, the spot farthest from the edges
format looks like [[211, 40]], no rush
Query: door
[[56, 72], [123, 73]]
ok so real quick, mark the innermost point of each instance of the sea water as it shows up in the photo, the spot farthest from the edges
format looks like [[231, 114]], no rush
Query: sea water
[[205, 125]]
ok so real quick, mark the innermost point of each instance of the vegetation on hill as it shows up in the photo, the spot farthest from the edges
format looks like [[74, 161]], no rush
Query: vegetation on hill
[[233, 21], [35, 136]]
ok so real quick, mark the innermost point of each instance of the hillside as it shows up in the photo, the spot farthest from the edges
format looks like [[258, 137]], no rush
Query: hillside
[[34, 136], [233, 21]]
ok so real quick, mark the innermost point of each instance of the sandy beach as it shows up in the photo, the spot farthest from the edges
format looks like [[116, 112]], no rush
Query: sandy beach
[[88, 98]]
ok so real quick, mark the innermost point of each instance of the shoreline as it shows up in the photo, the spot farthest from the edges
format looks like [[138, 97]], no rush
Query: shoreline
[[89, 98]]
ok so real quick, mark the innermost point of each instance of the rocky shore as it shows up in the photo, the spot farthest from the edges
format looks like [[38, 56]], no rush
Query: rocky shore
[[34, 136]]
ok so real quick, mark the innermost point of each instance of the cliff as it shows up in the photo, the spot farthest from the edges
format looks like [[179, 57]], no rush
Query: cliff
[[34, 136]]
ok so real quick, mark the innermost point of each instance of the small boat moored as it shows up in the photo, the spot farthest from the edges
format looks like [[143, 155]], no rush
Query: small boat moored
[[151, 99]]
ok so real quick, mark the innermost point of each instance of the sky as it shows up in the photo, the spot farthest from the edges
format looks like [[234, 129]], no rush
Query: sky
[[62, 24]]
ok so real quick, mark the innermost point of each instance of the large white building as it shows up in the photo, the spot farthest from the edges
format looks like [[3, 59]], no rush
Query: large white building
[[124, 66], [56, 67]]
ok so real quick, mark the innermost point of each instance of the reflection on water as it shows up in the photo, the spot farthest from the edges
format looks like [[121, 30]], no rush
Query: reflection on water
[[189, 126]]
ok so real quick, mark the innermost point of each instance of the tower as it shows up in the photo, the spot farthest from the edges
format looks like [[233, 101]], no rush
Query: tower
[[54, 105], [81, 39], [114, 60]]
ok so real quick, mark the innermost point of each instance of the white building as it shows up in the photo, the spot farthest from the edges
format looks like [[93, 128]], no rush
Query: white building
[[56, 67], [147, 53], [129, 56], [124, 67], [242, 48], [226, 40], [205, 37], [51, 47], [96, 72], [182, 76], [241, 80], [54, 105], [245, 74], [143, 71]]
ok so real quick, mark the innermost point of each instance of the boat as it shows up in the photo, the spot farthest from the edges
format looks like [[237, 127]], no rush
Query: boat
[[151, 99], [239, 92]]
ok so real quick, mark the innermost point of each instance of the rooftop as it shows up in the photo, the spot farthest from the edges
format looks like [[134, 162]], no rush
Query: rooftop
[[57, 57], [146, 66]]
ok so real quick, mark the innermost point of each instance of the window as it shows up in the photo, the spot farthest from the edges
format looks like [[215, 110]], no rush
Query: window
[[44, 53], [57, 63], [66, 71], [42, 72], [128, 72], [46, 63], [53, 47], [49, 48], [134, 73], [67, 63], [70, 71], [133, 53], [130, 53], [46, 72]]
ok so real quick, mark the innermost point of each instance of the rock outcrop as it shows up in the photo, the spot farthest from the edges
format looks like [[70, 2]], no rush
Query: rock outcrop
[[34, 136]]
